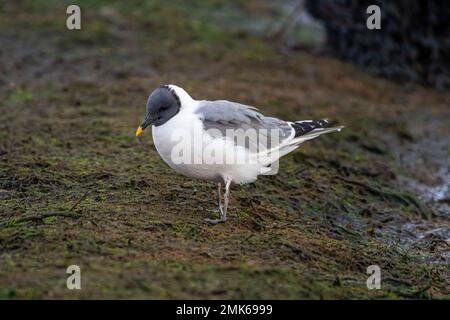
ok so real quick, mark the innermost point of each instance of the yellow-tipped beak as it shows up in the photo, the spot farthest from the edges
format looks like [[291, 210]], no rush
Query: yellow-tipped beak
[[139, 130]]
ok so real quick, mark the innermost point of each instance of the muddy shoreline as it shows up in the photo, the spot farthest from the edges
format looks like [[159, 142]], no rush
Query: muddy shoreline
[[76, 186]]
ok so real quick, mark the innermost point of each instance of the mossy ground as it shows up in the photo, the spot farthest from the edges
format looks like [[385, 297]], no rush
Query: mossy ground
[[76, 186]]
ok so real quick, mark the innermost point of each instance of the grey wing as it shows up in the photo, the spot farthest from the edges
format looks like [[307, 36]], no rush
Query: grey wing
[[244, 121]]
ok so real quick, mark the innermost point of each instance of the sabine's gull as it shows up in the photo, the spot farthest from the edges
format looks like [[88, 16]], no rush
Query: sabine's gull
[[177, 119]]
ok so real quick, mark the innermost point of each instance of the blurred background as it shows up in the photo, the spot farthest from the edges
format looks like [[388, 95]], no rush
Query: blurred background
[[76, 186]]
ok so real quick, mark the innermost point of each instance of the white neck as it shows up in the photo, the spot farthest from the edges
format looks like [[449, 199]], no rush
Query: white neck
[[187, 102]]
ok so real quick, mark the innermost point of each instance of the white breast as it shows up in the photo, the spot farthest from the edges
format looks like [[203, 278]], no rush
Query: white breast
[[181, 144]]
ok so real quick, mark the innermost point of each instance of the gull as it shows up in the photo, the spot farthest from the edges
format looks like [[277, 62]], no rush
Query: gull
[[210, 140]]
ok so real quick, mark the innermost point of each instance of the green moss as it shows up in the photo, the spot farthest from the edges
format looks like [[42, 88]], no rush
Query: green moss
[[76, 187], [19, 97]]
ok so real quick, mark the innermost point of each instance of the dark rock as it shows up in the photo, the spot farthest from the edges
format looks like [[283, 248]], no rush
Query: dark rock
[[413, 43]]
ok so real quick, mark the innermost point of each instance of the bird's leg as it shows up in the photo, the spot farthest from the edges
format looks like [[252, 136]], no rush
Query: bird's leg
[[227, 196], [219, 198], [219, 201], [223, 210]]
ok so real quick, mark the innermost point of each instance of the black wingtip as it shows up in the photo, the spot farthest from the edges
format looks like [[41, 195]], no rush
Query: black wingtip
[[303, 127]]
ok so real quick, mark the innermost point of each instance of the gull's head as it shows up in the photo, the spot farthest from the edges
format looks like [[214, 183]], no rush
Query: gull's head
[[162, 104]]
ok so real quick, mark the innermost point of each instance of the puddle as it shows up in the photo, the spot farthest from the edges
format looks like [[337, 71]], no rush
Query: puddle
[[435, 240], [425, 161], [416, 231], [436, 196]]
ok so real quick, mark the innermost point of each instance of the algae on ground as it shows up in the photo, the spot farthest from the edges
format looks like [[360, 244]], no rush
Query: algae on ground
[[76, 186]]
